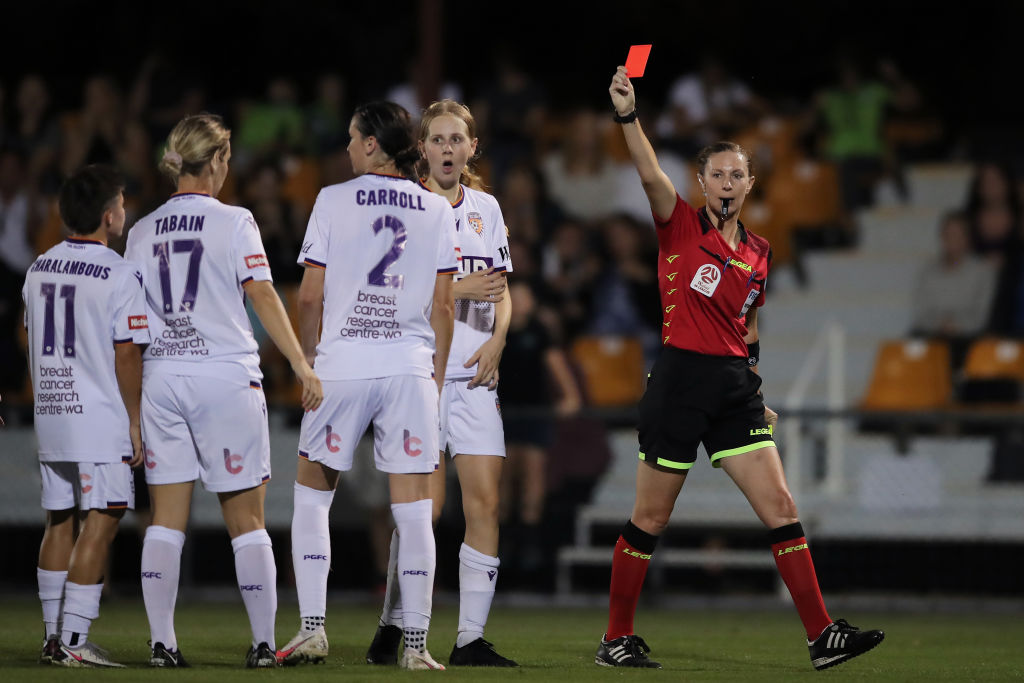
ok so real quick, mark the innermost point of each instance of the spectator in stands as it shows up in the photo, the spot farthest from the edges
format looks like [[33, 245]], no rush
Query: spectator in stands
[[325, 118], [628, 285], [281, 222], [511, 112], [954, 292], [527, 209], [93, 134], [18, 217], [36, 134], [851, 114], [993, 210], [408, 93], [275, 126], [581, 178], [536, 381], [570, 265], [706, 105], [1007, 316]]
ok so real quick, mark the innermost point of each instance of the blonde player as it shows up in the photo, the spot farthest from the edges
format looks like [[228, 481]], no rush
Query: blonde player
[[471, 428], [86, 317], [379, 255], [203, 411]]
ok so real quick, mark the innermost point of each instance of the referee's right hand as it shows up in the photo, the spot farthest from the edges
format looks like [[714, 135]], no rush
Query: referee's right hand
[[621, 90]]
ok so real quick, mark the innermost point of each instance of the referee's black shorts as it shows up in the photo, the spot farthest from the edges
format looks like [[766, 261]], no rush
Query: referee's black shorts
[[693, 398]]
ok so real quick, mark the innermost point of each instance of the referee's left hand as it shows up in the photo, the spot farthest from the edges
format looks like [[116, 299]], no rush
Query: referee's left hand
[[771, 416]]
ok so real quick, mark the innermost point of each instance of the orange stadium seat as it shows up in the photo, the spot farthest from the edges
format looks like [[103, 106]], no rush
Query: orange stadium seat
[[805, 194], [910, 375], [994, 358], [612, 368]]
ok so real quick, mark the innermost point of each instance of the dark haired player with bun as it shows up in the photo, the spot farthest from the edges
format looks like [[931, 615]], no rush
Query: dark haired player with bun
[[376, 313], [704, 388], [85, 312]]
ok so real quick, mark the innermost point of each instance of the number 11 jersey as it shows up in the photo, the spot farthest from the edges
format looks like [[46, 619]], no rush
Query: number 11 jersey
[[196, 254], [382, 240]]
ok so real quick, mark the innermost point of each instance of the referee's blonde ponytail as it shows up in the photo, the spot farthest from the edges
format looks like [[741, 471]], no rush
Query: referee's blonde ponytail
[[469, 176], [193, 143]]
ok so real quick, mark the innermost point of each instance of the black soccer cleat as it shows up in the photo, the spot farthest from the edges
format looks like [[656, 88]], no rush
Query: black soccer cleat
[[840, 642], [384, 648], [629, 651], [260, 657], [164, 658], [51, 649], [478, 653]]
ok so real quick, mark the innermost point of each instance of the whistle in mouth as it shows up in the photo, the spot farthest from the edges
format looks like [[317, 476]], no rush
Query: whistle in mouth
[[725, 207]]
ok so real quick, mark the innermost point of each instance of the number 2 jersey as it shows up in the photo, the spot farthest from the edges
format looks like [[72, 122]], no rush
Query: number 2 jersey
[[81, 299], [382, 241], [483, 244], [196, 254]]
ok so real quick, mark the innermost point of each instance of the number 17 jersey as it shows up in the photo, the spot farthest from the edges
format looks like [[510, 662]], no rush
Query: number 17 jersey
[[382, 241], [196, 254]]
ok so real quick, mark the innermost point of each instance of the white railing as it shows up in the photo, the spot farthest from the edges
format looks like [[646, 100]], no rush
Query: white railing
[[829, 347]]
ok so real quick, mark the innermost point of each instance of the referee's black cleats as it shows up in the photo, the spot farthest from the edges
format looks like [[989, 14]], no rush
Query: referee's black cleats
[[840, 642], [384, 648], [478, 653], [629, 651], [167, 659]]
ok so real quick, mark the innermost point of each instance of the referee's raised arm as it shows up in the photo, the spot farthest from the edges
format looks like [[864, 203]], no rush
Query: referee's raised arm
[[660, 192]]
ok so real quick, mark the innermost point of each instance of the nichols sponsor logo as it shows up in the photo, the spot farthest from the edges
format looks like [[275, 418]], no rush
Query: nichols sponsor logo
[[256, 261], [138, 322]]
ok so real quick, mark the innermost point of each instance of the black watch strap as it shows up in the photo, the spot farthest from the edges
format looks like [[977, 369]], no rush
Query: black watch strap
[[628, 118]]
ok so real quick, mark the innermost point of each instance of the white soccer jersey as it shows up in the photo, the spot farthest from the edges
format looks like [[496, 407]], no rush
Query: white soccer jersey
[[483, 243], [81, 299], [196, 253], [383, 241]]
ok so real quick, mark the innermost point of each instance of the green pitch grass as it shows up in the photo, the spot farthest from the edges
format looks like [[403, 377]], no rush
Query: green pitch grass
[[551, 645]]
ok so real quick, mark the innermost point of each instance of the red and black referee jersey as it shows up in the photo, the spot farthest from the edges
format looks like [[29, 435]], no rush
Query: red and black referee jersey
[[706, 286]]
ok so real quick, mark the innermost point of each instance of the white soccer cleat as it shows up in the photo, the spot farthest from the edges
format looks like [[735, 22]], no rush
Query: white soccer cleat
[[87, 655], [306, 646], [414, 660]]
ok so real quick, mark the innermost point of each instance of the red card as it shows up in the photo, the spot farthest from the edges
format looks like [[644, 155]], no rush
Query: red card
[[636, 61]]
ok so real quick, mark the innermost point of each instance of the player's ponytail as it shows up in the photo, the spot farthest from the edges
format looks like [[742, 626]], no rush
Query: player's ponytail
[[391, 125], [469, 177], [193, 144]]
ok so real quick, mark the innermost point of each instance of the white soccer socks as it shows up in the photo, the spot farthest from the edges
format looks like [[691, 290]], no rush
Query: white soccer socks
[[478, 574], [51, 597], [161, 565], [416, 558], [81, 606], [392, 612], [257, 581], [311, 552]]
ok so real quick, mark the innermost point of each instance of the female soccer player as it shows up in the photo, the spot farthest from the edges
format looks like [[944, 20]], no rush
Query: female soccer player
[[379, 254], [704, 388], [203, 411], [471, 427], [86, 318]]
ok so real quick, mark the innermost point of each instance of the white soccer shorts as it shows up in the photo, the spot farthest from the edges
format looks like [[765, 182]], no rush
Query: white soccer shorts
[[403, 410], [205, 428], [87, 486], [470, 420]]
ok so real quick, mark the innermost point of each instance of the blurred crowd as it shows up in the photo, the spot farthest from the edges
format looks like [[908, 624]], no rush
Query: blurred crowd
[[581, 232]]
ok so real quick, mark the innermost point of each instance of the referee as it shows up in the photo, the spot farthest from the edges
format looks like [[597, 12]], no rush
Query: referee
[[704, 388]]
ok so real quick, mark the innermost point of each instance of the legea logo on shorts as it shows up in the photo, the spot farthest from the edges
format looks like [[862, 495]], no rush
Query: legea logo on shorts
[[86, 487], [412, 442], [706, 279], [332, 439], [229, 460]]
